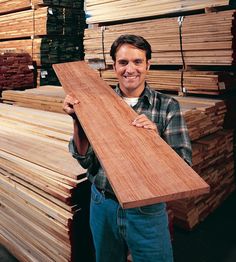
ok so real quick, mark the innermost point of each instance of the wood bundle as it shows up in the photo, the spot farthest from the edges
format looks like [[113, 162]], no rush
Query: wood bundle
[[40, 187], [207, 39], [200, 82], [49, 34], [203, 116], [40, 22], [213, 160], [10, 6], [107, 11], [48, 98], [16, 71], [13, 6]]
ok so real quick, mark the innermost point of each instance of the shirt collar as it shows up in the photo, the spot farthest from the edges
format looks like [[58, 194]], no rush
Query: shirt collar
[[146, 95]]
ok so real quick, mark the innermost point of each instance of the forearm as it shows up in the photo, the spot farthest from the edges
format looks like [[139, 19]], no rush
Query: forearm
[[80, 138]]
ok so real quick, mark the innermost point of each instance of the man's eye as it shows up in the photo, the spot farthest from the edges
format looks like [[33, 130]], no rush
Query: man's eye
[[123, 63], [138, 62]]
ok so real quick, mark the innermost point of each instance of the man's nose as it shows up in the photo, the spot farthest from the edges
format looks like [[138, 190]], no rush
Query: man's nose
[[130, 67]]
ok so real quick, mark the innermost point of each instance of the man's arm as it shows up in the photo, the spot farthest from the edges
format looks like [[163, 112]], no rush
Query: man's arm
[[176, 132]]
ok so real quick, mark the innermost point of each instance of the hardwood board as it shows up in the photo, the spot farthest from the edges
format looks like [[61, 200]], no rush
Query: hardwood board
[[140, 151]]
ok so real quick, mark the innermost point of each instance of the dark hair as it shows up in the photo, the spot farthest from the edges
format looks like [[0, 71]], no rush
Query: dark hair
[[135, 40]]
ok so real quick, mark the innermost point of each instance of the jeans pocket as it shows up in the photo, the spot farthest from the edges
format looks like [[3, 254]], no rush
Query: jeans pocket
[[153, 210], [96, 196]]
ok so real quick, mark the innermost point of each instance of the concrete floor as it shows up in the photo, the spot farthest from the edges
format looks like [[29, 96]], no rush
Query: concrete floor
[[214, 240]]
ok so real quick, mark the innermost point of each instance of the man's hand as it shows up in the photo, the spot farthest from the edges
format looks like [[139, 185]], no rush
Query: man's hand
[[68, 105], [144, 122]]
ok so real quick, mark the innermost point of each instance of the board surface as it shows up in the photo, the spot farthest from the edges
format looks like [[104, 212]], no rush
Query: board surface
[[141, 167]]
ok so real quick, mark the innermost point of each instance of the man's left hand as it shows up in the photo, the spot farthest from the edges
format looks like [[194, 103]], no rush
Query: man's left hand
[[144, 122]]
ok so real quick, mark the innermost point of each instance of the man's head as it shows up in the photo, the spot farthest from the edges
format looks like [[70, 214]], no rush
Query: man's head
[[131, 55], [134, 40]]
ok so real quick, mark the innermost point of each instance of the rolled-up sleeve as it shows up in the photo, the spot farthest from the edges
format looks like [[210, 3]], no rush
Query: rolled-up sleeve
[[85, 160]]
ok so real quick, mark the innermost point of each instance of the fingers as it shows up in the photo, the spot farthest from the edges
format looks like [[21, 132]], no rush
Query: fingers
[[144, 122], [68, 104]]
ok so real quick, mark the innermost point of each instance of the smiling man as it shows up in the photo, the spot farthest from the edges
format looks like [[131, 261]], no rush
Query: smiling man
[[144, 230]]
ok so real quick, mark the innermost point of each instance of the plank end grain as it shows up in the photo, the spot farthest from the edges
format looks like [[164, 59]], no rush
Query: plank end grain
[[140, 166]]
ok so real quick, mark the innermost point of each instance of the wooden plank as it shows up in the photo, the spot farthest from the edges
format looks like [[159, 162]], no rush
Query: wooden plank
[[127, 154]]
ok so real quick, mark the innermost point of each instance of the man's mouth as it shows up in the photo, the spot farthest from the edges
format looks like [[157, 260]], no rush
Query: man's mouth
[[130, 77]]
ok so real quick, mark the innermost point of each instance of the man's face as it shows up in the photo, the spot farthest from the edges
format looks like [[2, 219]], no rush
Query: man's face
[[131, 68]]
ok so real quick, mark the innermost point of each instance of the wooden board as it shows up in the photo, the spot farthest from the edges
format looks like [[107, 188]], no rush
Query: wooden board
[[127, 154]]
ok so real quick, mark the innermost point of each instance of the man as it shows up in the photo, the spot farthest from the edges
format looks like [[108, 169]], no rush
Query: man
[[144, 230]]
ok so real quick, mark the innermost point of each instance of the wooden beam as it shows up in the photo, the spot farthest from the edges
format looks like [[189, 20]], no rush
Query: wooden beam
[[141, 167]]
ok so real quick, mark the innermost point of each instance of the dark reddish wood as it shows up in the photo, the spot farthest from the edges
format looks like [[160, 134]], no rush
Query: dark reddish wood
[[141, 167]]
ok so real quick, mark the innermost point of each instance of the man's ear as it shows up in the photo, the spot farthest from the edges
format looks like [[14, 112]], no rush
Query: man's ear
[[114, 66], [148, 64]]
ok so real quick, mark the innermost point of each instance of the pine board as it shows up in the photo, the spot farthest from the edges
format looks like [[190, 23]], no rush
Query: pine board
[[140, 151]]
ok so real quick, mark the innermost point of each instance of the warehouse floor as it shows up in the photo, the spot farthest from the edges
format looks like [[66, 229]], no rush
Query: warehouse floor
[[214, 240]]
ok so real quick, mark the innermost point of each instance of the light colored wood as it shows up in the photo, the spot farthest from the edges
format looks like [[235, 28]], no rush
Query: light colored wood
[[127, 153], [117, 10], [207, 39]]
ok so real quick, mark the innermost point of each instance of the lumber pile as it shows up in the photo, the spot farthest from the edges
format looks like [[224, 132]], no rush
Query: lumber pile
[[191, 82], [16, 71], [108, 11], [9, 6], [48, 98], [50, 31], [41, 187], [213, 160], [207, 39]]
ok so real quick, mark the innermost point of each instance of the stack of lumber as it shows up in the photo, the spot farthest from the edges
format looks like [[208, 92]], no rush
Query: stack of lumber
[[16, 71], [48, 98], [107, 11], [207, 39], [194, 82], [40, 22], [40, 186], [203, 116], [9, 6], [213, 161], [50, 31]]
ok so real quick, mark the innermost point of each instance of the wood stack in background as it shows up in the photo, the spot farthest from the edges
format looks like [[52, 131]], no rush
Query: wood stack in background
[[43, 191], [202, 64], [110, 11], [207, 39], [50, 31], [48, 98], [194, 82], [16, 71]]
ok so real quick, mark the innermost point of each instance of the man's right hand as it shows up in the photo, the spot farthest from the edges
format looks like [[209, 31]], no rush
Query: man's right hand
[[68, 105]]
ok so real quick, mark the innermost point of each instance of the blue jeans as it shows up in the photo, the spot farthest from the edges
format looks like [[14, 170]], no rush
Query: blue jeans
[[143, 231]]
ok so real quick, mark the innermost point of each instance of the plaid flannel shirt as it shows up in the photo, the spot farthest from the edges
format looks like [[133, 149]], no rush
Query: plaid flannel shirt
[[161, 109]]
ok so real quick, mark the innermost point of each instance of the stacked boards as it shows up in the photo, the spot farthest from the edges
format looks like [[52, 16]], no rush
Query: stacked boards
[[43, 189], [48, 98], [16, 71], [110, 11], [50, 31]]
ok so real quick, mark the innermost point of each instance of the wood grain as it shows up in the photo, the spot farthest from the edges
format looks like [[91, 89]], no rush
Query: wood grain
[[140, 166]]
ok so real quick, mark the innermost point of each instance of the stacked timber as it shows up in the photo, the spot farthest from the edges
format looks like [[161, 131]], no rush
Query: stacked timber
[[9, 6], [43, 190], [48, 98], [213, 160], [50, 31], [207, 39], [192, 82], [108, 11], [203, 116], [16, 71]]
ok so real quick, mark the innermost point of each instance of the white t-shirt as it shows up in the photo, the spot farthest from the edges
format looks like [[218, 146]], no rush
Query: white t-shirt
[[131, 101]]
